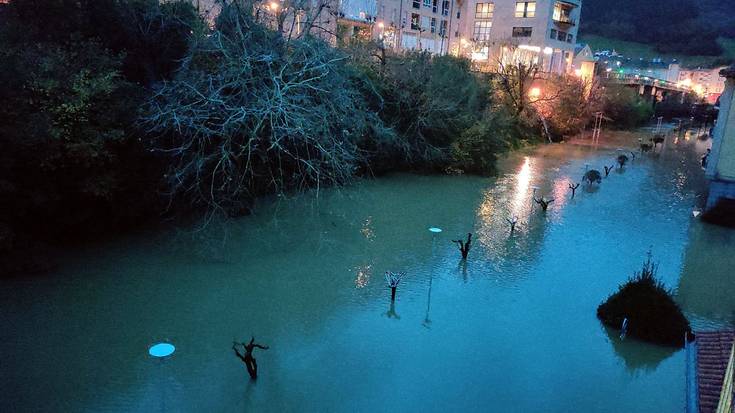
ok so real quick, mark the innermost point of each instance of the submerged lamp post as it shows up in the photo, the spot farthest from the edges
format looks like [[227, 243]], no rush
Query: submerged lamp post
[[427, 321], [161, 351]]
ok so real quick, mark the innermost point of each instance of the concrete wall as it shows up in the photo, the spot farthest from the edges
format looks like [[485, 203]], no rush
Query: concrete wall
[[722, 159], [721, 164]]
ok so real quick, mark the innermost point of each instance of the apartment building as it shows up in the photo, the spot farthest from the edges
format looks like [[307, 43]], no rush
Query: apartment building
[[541, 32], [708, 83], [429, 25]]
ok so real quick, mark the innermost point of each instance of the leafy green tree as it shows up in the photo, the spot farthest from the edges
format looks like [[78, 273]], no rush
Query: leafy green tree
[[625, 107]]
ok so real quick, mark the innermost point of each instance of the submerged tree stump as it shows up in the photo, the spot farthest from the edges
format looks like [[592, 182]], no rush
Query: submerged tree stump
[[247, 357], [574, 189], [464, 247], [393, 279], [544, 203], [608, 169]]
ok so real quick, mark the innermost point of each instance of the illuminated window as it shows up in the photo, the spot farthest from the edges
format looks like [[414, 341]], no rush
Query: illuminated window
[[526, 9], [562, 13], [482, 30], [522, 31], [484, 10], [415, 21]]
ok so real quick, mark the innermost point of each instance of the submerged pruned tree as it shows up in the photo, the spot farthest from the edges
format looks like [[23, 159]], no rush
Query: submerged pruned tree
[[252, 111], [592, 176]]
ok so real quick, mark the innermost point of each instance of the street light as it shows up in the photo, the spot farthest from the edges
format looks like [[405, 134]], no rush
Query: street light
[[161, 350]]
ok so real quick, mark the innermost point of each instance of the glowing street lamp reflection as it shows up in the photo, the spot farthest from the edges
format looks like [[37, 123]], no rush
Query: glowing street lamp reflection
[[523, 181]]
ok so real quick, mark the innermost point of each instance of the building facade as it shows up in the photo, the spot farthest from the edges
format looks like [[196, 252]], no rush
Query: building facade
[[429, 25], [707, 83], [721, 163], [541, 32]]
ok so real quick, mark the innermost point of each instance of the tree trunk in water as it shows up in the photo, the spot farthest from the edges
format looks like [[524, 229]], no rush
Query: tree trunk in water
[[252, 366]]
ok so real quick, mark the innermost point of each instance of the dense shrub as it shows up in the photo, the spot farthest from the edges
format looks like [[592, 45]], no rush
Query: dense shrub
[[652, 313], [428, 102], [66, 149], [673, 107], [72, 163], [252, 112], [625, 107], [572, 106]]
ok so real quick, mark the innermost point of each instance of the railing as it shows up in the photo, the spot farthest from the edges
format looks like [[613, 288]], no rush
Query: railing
[[725, 405], [564, 20], [636, 79]]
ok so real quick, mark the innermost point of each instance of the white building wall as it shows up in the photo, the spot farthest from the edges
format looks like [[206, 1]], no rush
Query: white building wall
[[553, 54]]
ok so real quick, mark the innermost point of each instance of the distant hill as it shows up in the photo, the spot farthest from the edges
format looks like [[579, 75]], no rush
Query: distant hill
[[684, 27], [648, 52]]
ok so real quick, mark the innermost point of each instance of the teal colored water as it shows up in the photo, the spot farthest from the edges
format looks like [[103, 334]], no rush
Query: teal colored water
[[512, 330]]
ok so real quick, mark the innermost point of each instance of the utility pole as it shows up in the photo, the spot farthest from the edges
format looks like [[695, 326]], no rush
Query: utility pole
[[399, 38], [449, 27]]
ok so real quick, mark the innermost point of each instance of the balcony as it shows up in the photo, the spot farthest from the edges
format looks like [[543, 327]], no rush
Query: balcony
[[562, 15], [564, 22]]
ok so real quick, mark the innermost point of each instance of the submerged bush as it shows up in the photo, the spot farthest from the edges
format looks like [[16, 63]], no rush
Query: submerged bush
[[652, 313]]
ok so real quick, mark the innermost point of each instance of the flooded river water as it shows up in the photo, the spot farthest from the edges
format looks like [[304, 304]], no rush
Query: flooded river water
[[511, 330]]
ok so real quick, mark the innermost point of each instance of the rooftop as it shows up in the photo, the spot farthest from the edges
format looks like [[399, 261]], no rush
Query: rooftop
[[713, 353]]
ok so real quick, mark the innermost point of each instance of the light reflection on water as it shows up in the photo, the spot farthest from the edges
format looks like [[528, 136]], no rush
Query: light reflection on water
[[511, 329]]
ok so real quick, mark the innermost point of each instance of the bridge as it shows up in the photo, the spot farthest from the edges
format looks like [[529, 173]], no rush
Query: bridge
[[649, 87]]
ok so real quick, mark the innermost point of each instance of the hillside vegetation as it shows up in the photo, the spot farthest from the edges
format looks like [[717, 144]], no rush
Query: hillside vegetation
[[636, 50], [682, 27]]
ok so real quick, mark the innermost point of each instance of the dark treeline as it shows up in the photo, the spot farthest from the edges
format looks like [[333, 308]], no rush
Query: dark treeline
[[682, 26], [119, 113]]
